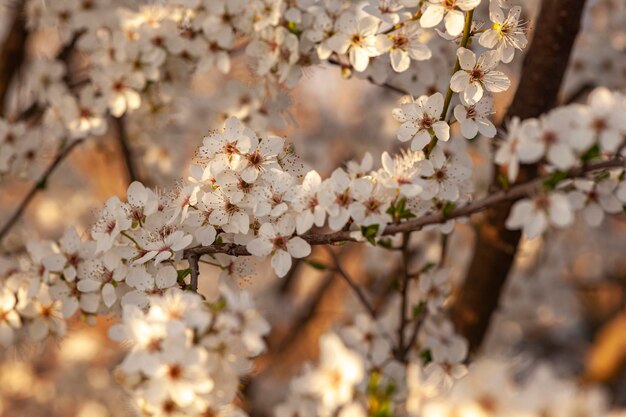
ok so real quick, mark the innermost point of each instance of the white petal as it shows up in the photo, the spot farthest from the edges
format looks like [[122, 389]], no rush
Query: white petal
[[259, 247], [298, 247], [281, 262]]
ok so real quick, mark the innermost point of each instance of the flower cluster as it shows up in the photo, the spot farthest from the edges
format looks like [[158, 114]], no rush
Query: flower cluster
[[563, 140], [341, 384], [362, 368], [187, 354], [245, 189], [140, 58]]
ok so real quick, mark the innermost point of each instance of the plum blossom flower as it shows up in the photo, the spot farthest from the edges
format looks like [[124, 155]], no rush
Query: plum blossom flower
[[371, 203], [406, 44], [594, 199], [549, 136], [357, 37], [10, 320], [402, 173], [306, 202], [474, 118], [45, 313], [475, 76], [277, 240], [450, 11], [445, 177], [507, 151], [421, 120], [336, 197], [340, 370], [506, 34], [121, 88], [113, 220], [164, 248], [602, 120], [533, 215]]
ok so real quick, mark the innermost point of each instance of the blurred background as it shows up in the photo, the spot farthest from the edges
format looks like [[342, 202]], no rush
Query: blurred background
[[565, 304]]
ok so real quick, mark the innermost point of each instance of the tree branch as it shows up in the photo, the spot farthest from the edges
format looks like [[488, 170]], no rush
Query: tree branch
[[358, 291], [388, 86], [509, 196], [495, 247], [405, 291], [192, 258], [38, 186], [125, 150]]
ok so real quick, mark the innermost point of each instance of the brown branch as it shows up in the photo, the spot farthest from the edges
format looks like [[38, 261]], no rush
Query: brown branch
[[503, 196], [125, 150], [192, 258], [38, 186], [388, 86], [545, 64], [358, 291], [405, 290], [13, 53]]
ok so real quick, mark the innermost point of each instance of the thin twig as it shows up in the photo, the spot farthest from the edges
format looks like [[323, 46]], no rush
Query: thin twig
[[514, 193], [417, 325], [578, 93], [358, 291], [388, 86], [192, 258], [38, 186], [122, 138], [404, 291], [467, 32]]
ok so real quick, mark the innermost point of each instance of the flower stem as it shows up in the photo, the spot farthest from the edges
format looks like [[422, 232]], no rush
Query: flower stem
[[467, 31]]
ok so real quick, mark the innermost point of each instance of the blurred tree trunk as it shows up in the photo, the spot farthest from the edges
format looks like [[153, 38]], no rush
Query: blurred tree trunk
[[543, 70], [13, 52]]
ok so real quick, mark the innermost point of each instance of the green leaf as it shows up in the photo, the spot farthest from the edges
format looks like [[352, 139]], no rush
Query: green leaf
[[370, 232], [592, 153], [553, 180], [428, 267], [426, 355], [219, 305], [182, 274], [316, 264], [293, 28], [399, 211], [448, 208], [503, 180], [419, 309], [385, 243]]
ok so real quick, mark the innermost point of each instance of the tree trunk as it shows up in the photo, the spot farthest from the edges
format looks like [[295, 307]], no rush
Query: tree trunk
[[543, 70]]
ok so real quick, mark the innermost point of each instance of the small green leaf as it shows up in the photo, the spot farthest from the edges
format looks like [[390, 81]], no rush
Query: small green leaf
[[503, 180], [448, 208], [293, 28], [554, 180], [426, 355], [316, 264], [182, 274], [385, 243], [419, 309], [592, 153], [427, 267], [370, 232]]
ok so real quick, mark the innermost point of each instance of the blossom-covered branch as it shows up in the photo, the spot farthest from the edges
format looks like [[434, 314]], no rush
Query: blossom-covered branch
[[514, 193]]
